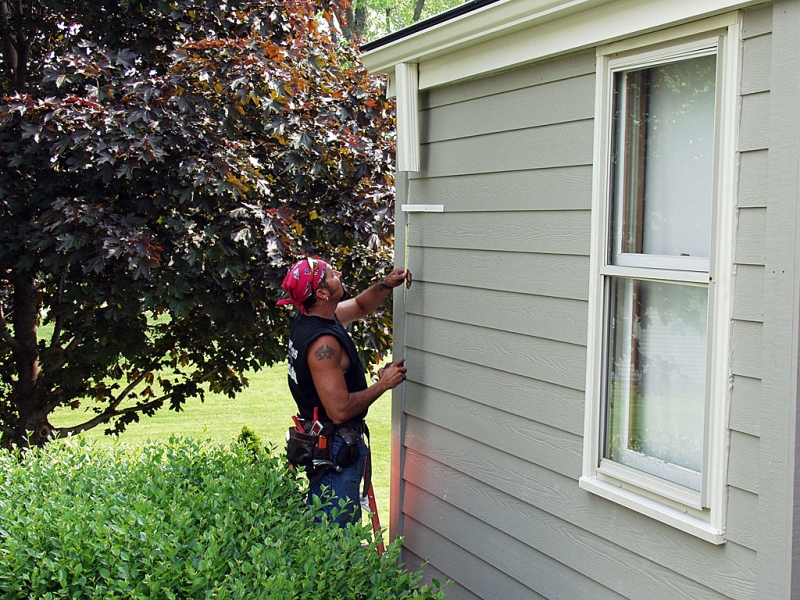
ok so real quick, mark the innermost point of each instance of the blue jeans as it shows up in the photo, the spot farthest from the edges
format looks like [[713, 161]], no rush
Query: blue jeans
[[344, 485]]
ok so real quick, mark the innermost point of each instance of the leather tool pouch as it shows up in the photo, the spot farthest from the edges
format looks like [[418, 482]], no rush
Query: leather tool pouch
[[302, 449], [349, 452]]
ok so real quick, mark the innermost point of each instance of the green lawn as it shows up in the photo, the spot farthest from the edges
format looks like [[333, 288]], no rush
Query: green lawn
[[266, 407]]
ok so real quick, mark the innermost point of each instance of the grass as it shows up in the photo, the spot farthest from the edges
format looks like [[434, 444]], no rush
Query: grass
[[265, 407]]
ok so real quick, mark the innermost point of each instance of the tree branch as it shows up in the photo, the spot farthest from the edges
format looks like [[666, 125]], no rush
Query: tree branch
[[111, 412]]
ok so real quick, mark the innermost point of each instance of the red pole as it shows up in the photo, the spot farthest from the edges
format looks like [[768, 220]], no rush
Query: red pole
[[376, 521]]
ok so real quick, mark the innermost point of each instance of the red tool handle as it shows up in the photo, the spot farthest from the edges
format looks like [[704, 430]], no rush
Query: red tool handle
[[297, 423], [376, 522]]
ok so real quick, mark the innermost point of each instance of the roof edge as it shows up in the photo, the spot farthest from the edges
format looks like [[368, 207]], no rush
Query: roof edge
[[473, 23], [443, 17]]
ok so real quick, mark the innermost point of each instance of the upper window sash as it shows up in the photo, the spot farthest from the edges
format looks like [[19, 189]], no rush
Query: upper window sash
[[664, 55], [634, 136]]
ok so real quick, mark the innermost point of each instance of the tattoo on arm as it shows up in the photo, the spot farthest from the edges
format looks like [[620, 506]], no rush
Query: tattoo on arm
[[323, 352]]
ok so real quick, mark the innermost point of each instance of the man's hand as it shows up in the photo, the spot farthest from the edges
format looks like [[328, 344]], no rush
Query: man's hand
[[394, 374], [367, 301], [396, 278], [327, 371]]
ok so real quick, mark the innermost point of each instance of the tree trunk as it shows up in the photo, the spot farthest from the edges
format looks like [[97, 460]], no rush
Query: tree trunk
[[418, 6], [360, 19], [32, 427], [15, 45], [356, 21]]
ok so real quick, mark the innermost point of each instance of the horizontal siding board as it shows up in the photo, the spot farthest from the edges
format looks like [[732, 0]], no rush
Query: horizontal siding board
[[757, 22], [565, 144], [748, 297], [413, 562], [729, 568], [743, 462], [546, 360], [756, 63], [573, 65], [609, 564], [548, 404], [537, 571], [751, 236], [477, 577], [753, 174], [557, 319], [747, 349], [556, 276], [741, 526], [754, 126], [563, 188], [556, 102], [547, 232], [746, 405], [531, 441]]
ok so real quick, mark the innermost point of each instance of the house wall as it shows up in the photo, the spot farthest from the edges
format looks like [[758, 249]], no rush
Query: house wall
[[494, 328]]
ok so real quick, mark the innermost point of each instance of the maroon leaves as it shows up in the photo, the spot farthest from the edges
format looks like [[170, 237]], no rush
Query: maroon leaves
[[156, 182]]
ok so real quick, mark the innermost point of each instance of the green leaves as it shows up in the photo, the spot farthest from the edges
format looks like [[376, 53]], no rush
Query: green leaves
[[182, 519], [174, 159]]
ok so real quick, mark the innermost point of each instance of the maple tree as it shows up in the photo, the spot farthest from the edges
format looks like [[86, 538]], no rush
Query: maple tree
[[161, 164]]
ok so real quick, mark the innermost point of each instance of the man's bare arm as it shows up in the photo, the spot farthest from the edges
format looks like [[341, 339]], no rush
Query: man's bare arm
[[324, 361], [371, 298]]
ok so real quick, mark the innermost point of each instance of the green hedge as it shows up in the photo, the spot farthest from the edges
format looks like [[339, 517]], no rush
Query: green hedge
[[183, 519]]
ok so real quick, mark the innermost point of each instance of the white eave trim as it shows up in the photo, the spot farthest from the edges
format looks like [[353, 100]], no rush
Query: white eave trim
[[488, 22], [511, 33]]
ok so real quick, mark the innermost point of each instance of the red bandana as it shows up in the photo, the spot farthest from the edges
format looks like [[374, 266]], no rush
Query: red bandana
[[302, 280]]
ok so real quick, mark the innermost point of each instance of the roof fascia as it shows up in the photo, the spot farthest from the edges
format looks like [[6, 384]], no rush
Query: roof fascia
[[511, 33], [466, 30]]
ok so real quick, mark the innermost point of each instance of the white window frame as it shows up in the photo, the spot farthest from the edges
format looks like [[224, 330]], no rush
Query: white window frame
[[698, 513]]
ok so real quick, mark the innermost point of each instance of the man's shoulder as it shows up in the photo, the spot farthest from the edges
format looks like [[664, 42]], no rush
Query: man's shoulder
[[306, 329]]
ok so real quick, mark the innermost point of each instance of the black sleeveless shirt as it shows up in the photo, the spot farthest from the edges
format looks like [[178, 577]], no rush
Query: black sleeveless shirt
[[304, 331]]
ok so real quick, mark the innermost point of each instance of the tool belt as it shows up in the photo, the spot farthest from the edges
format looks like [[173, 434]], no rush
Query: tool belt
[[309, 444]]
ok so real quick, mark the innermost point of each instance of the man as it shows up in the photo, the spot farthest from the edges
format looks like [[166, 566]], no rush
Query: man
[[326, 376]]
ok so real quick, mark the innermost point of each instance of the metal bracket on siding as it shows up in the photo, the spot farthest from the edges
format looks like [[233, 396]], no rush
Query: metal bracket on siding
[[422, 207]]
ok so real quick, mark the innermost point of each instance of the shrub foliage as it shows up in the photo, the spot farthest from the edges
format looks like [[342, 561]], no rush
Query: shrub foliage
[[183, 519]]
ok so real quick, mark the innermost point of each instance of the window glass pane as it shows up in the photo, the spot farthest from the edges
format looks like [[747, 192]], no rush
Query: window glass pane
[[662, 158], [656, 372]]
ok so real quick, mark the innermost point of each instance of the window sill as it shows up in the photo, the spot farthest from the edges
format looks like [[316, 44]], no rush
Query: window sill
[[653, 509]]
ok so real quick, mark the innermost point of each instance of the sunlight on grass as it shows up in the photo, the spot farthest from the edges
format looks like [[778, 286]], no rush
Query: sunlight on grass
[[266, 407]]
